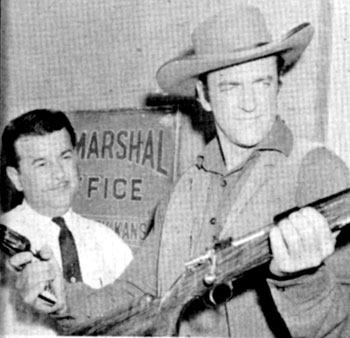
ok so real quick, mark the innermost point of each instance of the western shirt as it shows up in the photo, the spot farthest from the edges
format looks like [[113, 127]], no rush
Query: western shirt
[[278, 176]]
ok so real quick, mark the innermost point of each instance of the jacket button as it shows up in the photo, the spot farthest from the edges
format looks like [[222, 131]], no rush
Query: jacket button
[[213, 221], [223, 183], [73, 279]]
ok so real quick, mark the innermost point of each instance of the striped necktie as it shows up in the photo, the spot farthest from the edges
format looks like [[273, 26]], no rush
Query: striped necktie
[[69, 253]]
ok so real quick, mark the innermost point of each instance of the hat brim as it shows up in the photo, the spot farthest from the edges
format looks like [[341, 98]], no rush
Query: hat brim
[[179, 76]]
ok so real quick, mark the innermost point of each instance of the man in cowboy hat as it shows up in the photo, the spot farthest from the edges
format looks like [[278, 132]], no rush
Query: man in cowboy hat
[[252, 170]]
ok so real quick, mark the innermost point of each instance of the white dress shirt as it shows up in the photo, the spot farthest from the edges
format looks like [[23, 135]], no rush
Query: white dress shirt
[[103, 256]]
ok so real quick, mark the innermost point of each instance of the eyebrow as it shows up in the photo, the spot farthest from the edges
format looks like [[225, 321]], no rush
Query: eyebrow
[[35, 160], [237, 83], [225, 83], [264, 78], [66, 151]]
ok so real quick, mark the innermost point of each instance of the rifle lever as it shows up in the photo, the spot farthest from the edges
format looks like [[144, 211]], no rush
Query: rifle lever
[[210, 278], [210, 256]]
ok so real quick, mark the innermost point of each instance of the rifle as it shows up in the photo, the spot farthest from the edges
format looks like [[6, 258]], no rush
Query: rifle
[[224, 263]]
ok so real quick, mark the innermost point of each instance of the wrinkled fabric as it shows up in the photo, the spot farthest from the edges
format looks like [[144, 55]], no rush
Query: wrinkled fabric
[[274, 181]]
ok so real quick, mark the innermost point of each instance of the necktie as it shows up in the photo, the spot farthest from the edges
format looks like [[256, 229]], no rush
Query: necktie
[[69, 253]]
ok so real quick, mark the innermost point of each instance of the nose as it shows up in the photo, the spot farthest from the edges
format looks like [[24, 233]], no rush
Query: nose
[[247, 100], [58, 170]]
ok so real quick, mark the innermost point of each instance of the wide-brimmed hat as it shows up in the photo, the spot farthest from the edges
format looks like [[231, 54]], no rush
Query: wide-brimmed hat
[[228, 39]]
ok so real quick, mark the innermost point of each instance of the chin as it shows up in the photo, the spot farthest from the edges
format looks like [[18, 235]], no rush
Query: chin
[[63, 204], [248, 143]]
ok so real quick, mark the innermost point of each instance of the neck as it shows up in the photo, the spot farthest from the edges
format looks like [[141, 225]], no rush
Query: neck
[[47, 211], [234, 155]]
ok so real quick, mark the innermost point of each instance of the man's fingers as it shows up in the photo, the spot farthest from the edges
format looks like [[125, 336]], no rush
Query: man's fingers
[[290, 236], [45, 253], [279, 251], [307, 241], [302, 228], [31, 294], [33, 280], [277, 242], [33, 275], [320, 237], [41, 305], [18, 261]]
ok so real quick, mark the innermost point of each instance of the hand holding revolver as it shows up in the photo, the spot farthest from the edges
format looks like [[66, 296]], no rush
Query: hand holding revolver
[[39, 279]]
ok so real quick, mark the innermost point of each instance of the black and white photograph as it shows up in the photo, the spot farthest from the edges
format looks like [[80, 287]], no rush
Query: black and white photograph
[[175, 168]]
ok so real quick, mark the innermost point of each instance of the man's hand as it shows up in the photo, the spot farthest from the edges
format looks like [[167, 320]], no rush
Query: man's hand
[[33, 277], [300, 242]]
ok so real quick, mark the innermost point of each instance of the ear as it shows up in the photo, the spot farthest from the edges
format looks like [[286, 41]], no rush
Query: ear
[[14, 176], [202, 98]]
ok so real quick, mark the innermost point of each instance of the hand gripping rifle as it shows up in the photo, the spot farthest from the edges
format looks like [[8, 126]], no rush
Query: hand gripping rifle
[[210, 276]]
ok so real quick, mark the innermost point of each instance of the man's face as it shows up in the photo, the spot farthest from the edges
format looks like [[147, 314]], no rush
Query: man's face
[[243, 99], [47, 172]]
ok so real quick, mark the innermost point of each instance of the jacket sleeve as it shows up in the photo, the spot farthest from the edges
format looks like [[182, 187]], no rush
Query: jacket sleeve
[[139, 278], [318, 304]]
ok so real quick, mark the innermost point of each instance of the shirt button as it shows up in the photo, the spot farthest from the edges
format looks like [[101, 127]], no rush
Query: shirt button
[[223, 183], [73, 279], [213, 221]]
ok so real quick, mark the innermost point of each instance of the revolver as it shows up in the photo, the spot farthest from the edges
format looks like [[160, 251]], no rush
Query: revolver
[[11, 243]]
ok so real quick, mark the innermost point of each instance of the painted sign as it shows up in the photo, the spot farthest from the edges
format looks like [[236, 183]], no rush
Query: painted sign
[[127, 160]]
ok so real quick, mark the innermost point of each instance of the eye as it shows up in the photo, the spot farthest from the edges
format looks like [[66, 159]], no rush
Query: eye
[[67, 156], [264, 83], [40, 164], [225, 87]]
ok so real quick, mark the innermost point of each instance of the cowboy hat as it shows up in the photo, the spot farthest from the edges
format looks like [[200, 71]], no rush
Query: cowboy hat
[[229, 39]]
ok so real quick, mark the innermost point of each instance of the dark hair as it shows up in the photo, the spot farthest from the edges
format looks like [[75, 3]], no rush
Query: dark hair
[[37, 122]]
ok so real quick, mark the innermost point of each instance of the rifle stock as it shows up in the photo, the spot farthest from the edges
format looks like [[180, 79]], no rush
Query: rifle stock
[[147, 316]]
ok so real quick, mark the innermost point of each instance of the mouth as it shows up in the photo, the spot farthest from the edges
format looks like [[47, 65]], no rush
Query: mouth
[[247, 119], [60, 186]]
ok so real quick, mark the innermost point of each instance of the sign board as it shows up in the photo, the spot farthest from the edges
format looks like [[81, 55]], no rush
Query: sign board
[[127, 159]]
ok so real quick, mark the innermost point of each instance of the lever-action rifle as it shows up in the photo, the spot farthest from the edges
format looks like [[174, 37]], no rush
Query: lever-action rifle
[[226, 262]]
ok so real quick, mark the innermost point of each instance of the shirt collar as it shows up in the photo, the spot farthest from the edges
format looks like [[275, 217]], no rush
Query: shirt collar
[[279, 138]]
